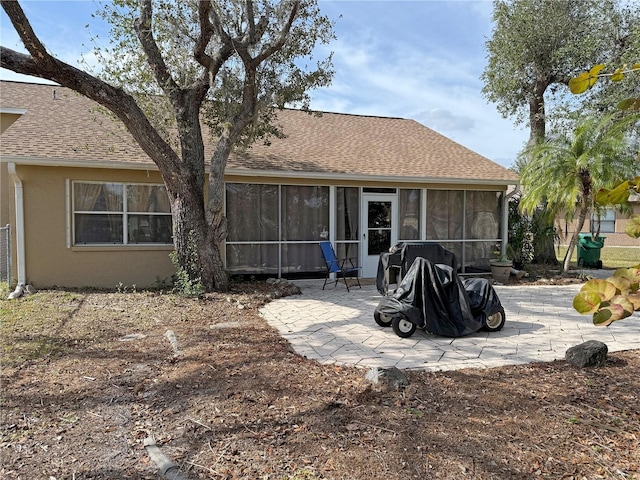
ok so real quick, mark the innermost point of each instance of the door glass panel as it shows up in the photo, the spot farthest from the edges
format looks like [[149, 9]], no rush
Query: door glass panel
[[379, 227], [379, 241], [379, 214]]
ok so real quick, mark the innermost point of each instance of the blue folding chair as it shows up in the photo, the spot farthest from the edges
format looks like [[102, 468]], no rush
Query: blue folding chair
[[338, 267]]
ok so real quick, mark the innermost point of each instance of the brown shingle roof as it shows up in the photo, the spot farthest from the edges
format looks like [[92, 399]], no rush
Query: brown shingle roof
[[67, 127]]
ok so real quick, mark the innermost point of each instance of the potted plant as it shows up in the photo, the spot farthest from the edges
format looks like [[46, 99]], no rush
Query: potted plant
[[501, 268]]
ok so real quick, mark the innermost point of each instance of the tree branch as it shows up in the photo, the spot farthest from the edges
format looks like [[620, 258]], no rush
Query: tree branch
[[250, 20], [41, 64], [279, 43], [207, 30], [143, 27], [30, 40]]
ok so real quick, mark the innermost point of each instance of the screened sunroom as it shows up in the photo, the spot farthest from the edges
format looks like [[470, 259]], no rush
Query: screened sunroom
[[275, 229]]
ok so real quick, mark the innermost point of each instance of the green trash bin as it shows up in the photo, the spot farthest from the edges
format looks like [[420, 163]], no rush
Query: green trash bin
[[589, 250]]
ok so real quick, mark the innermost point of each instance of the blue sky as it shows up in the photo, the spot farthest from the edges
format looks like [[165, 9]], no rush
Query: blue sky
[[419, 59]]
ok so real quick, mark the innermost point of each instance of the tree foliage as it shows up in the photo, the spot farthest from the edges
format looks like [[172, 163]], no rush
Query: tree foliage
[[538, 45], [170, 64]]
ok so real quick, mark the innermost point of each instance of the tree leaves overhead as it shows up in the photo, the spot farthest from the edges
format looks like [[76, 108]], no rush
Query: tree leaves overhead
[[284, 78], [545, 41]]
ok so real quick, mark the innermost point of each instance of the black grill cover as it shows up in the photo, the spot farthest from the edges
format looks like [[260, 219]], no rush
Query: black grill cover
[[402, 257], [434, 298]]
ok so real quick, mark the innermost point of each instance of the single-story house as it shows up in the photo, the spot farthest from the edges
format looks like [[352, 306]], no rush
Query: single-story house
[[88, 208]]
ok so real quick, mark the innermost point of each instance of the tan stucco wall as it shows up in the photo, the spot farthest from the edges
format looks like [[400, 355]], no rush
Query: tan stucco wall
[[50, 262], [617, 239]]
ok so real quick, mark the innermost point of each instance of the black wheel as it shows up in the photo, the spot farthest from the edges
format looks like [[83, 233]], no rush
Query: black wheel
[[581, 262], [382, 319], [403, 327], [495, 322], [599, 263]]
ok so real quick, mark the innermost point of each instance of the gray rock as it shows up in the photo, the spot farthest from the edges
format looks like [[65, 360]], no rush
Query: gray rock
[[591, 353], [386, 378]]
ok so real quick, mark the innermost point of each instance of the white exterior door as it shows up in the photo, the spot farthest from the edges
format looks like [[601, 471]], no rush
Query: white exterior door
[[379, 230]]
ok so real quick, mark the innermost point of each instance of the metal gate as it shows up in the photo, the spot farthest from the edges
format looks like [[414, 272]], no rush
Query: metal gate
[[5, 255]]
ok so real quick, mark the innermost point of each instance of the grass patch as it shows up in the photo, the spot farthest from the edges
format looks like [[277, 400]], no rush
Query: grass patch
[[30, 326], [612, 257]]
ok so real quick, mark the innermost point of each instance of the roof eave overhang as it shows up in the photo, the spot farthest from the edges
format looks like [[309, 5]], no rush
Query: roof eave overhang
[[13, 111], [366, 178], [243, 172]]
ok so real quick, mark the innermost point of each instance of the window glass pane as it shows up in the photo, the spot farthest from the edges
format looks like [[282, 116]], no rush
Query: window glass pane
[[148, 198], [252, 259], [98, 228], [302, 258], [149, 229], [483, 215], [607, 221], [347, 213], [409, 213], [607, 226], [97, 197], [305, 213], [252, 212], [444, 214]]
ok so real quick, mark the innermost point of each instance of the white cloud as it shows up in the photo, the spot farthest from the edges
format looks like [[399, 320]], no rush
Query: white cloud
[[444, 120]]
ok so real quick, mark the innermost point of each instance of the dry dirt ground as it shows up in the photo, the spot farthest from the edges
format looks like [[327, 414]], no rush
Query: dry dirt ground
[[88, 376]]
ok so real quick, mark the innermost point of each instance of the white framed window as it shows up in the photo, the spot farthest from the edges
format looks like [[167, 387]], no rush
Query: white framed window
[[606, 220], [121, 214]]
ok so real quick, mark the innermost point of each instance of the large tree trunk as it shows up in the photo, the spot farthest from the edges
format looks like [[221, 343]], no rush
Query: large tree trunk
[[191, 238], [198, 233], [544, 247], [544, 240], [216, 218], [537, 114]]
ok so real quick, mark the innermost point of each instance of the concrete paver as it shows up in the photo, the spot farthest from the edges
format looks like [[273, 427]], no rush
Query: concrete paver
[[334, 326]]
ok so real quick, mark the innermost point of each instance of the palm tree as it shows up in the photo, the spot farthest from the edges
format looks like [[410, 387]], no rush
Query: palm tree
[[564, 173]]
